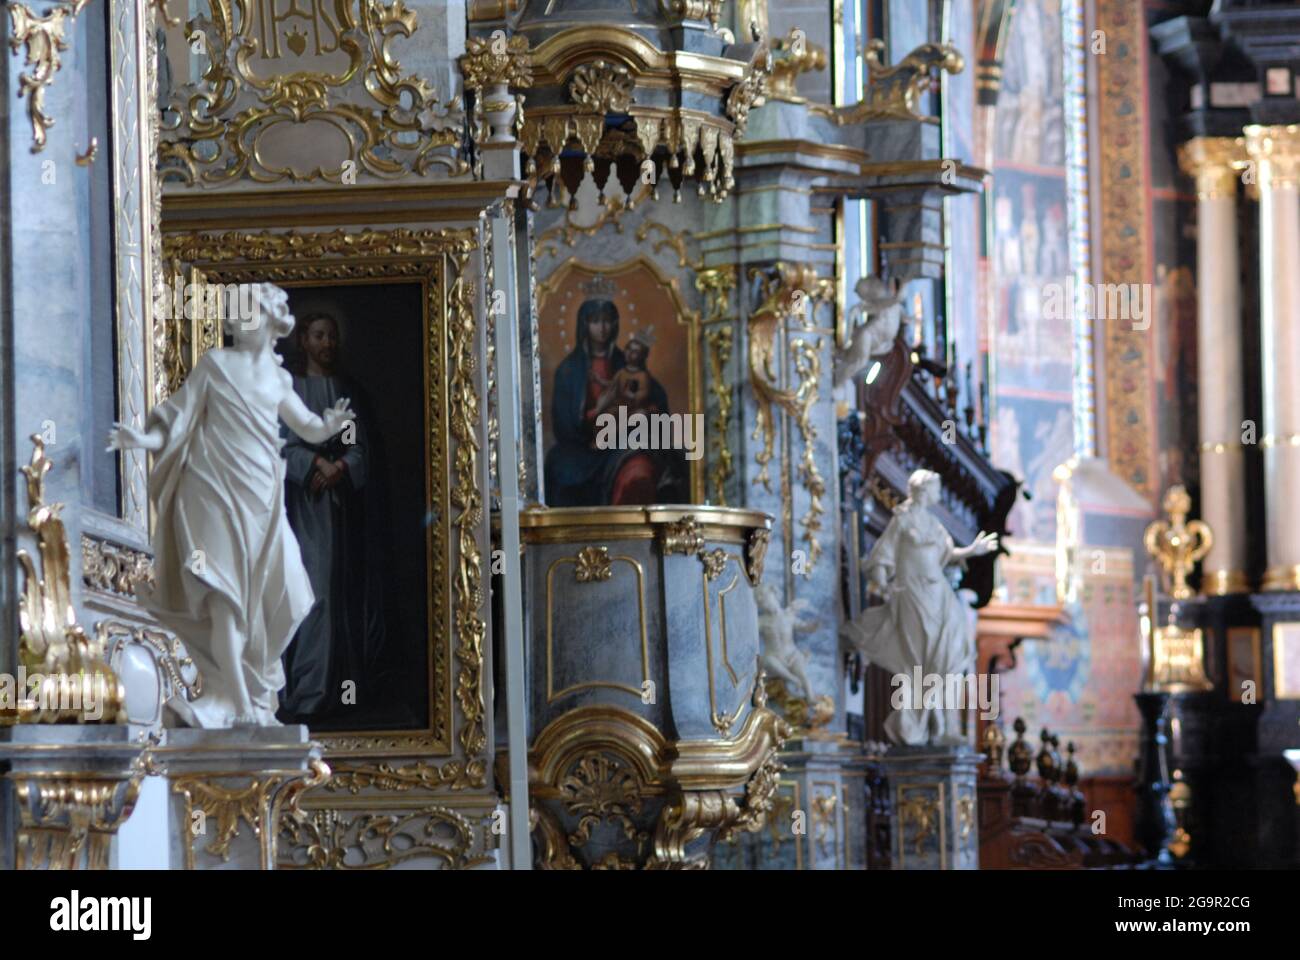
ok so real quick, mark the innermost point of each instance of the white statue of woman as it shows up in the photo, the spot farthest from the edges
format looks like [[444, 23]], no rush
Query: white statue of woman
[[780, 656], [923, 623], [230, 581]]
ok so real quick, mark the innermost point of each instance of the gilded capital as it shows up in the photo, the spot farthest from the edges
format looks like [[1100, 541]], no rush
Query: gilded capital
[[491, 61], [1214, 162], [1276, 152]]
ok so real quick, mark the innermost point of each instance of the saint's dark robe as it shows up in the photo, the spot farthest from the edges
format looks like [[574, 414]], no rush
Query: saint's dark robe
[[341, 532]]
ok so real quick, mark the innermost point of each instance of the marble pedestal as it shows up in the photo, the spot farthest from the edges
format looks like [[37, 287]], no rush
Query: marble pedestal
[[935, 807], [72, 787], [228, 789], [818, 820]]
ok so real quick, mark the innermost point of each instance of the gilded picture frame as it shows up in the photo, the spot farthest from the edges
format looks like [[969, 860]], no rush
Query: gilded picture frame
[[439, 262], [685, 321]]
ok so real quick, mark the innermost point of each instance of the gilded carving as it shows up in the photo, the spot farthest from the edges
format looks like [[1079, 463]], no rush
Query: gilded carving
[[1277, 151], [785, 291], [491, 66], [674, 239], [797, 55], [715, 561], [681, 536], [43, 38], [112, 635], [592, 565], [214, 130], [690, 815], [69, 823], [604, 764], [719, 340], [894, 93], [920, 812], [601, 787], [223, 809], [824, 821], [77, 685], [277, 248], [488, 62], [342, 839], [710, 10], [553, 852], [748, 93], [1214, 162], [808, 718], [756, 554], [467, 498], [652, 94], [807, 365], [716, 284], [113, 568], [418, 775], [601, 87]]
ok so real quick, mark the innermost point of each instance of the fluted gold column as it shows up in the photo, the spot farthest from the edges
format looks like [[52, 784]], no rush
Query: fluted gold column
[[1276, 152], [1219, 357]]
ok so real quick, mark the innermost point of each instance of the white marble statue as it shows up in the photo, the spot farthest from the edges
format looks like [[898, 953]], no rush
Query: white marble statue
[[923, 623], [780, 656], [880, 303], [230, 580]]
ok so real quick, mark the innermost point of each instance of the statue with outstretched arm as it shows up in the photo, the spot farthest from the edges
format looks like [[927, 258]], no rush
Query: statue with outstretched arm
[[230, 580], [923, 626]]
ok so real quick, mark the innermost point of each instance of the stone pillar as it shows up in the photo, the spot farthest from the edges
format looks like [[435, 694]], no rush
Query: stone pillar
[[1276, 153], [1219, 359]]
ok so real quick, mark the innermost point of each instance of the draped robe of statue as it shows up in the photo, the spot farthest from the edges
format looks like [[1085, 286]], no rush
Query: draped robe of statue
[[923, 623], [339, 531], [221, 529]]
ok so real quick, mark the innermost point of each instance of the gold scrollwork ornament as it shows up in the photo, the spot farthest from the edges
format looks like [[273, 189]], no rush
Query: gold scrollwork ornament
[[681, 536], [894, 93], [44, 39], [214, 129], [75, 683], [592, 565], [601, 87]]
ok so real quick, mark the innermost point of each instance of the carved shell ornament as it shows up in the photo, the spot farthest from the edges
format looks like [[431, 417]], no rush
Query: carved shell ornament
[[601, 87]]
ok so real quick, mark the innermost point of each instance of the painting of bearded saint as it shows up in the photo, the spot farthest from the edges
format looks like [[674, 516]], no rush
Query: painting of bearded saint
[[597, 377], [334, 504]]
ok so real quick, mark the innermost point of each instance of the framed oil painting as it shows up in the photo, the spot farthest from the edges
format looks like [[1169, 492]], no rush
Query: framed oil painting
[[355, 506], [616, 343], [371, 669]]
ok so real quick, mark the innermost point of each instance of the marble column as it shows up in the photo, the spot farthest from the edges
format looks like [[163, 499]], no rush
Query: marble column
[[1275, 151], [1219, 358]]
